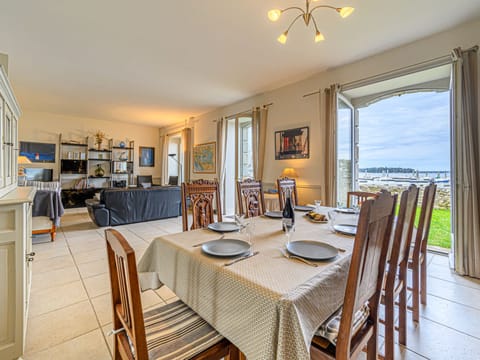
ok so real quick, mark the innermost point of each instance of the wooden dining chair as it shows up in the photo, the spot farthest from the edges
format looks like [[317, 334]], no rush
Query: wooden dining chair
[[396, 274], [286, 184], [204, 195], [357, 198], [418, 252], [172, 331], [251, 201], [346, 333]]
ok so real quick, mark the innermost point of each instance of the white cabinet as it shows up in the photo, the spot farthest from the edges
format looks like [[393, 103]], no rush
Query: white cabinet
[[15, 270], [9, 114]]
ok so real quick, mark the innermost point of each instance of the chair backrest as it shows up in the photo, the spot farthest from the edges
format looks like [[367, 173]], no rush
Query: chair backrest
[[202, 194], [284, 185], [144, 179], [424, 220], [402, 237], [126, 300], [357, 198], [367, 267], [251, 201], [173, 180]]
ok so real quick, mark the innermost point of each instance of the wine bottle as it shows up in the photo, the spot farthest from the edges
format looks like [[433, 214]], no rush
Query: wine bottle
[[288, 215]]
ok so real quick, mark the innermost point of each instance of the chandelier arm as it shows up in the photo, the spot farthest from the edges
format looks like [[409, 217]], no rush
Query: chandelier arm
[[293, 7], [323, 6], [315, 24], [294, 21]]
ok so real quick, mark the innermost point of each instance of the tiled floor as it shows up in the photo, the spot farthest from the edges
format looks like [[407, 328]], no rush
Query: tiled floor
[[70, 312]]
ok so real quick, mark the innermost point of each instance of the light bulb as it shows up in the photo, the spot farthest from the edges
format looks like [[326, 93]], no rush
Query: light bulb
[[274, 14], [282, 39], [319, 37], [345, 11]]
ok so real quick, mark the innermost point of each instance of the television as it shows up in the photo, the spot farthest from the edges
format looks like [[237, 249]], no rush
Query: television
[[38, 174], [38, 152]]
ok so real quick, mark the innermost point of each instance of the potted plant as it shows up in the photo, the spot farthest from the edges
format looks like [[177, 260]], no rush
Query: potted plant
[[99, 137]]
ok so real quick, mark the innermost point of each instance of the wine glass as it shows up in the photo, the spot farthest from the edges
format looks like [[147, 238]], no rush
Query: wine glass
[[289, 230]]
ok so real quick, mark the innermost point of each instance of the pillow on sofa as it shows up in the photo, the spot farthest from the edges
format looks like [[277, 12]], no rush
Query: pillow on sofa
[[146, 185]]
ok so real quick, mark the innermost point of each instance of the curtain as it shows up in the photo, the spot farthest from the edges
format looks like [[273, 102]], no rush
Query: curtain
[[186, 153], [221, 152], [164, 157], [466, 163], [330, 165], [259, 127]]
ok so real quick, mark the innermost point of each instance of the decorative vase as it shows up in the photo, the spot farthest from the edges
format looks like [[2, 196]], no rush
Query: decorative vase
[[99, 145], [99, 171]]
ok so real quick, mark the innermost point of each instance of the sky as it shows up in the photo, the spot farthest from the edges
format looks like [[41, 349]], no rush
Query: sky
[[408, 131]]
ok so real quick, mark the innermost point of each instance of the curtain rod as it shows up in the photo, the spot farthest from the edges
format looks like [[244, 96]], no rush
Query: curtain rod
[[245, 111], [441, 60]]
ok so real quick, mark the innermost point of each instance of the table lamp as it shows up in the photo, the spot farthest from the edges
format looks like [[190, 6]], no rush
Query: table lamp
[[22, 160], [289, 173]]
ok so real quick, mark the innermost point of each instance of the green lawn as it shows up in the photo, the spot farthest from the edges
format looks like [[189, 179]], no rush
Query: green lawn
[[439, 227]]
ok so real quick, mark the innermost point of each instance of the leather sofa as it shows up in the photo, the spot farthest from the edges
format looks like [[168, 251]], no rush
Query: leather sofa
[[131, 205]]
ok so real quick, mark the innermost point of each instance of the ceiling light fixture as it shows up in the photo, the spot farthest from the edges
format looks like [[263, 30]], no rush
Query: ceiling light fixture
[[306, 14]]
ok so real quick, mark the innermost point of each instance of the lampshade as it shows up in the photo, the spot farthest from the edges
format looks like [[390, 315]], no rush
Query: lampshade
[[22, 160], [289, 173]]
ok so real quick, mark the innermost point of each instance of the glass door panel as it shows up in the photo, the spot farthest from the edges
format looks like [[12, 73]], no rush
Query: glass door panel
[[344, 150]]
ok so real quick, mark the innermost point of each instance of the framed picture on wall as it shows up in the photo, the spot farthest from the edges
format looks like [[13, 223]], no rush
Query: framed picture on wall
[[205, 158], [147, 156], [292, 144]]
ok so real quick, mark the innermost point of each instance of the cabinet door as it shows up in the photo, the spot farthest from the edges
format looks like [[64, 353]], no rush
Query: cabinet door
[[2, 145], [7, 148], [12, 259]]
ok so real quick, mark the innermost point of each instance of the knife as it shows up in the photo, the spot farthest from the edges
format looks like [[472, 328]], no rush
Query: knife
[[241, 258]]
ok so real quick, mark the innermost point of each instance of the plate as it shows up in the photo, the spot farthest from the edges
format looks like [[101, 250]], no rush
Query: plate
[[226, 247], [274, 214], [224, 226], [346, 229], [304, 208], [316, 221], [312, 250], [347, 210]]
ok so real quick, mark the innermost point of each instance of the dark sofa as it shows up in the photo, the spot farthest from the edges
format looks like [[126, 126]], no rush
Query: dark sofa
[[125, 206]]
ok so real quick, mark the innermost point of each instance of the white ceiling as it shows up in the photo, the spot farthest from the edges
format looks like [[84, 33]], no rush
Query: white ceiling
[[160, 62]]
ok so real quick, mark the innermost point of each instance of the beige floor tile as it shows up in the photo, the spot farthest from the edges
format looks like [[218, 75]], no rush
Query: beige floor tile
[[440, 260], [436, 341], [165, 293], [443, 272], [93, 268], [454, 292], [89, 346], [61, 250], [53, 298], [54, 278], [54, 263], [91, 255], [109, 338], [55, 327], [103, 308], [97, 285], [151, 299]]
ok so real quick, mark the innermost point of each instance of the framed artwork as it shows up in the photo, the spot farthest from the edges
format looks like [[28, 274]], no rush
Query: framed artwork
[[38, 152], [205, 158], [292, 144], [147, 156]]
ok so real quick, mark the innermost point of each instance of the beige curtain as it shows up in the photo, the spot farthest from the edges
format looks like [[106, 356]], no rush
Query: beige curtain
[[164, 157], [330, 165], [186, 153], [259, 126], [221, 152], [466, 164]]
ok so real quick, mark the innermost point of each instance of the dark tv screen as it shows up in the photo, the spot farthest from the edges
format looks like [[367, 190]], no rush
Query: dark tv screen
[[38, 152]]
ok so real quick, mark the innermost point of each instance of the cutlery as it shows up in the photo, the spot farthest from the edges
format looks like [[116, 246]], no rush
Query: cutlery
[[200, 244], [288, 256], [241, 258]]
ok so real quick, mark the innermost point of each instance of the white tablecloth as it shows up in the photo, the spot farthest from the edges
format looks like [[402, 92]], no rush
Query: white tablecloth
[[267, 305]]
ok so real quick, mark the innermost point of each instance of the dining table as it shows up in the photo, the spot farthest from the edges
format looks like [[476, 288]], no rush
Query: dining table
[[267, 305]]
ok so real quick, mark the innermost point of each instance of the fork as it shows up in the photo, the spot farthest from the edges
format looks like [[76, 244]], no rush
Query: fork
[[288, 256]]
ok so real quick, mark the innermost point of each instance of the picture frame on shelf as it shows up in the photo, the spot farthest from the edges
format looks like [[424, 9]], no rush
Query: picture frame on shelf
[[205, 158], [292, 144], [147, 156]]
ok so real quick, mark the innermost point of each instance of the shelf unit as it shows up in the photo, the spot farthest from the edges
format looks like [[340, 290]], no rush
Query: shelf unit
[[73, 163], [103, 159], [121, 166]]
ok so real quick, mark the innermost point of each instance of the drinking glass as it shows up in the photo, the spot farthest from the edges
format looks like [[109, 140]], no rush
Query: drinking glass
[[289, 230], [318, 203]]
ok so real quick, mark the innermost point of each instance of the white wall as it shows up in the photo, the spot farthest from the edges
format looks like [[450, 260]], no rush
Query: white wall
[[46, 127], [290, 109]]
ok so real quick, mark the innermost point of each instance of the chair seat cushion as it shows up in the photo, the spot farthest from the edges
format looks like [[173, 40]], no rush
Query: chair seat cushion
[[329, 329], [175, 331]]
